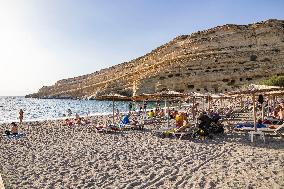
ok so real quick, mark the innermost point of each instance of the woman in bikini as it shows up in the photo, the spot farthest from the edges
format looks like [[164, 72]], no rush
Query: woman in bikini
[[21, 116]]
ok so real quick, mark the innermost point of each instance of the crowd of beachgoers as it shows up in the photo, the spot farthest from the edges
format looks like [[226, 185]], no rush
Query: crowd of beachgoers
[[183, 146]]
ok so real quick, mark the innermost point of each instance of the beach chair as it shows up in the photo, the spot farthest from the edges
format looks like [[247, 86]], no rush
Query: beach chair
[[109, 128], [130, 124], [176, 132], [280, 130], [258, 132], [185, 131]]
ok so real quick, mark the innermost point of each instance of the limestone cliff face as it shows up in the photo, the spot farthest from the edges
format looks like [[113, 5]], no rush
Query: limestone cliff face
[[216, 60]]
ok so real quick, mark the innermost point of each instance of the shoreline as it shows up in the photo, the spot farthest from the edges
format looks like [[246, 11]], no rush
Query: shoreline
[[56, 118], [83, 116]]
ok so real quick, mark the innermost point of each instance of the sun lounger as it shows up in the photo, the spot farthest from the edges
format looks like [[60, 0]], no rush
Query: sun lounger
[[267, 130], [253, 133], [183, 132], [118, 128], [263, 131], [176, 132], [280, 131]]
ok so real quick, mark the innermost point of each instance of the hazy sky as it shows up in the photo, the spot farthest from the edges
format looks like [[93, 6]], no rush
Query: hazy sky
[[42, 41]]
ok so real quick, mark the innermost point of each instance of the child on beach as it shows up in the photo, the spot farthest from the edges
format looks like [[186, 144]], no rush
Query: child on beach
[[21, 116], [13, 131]]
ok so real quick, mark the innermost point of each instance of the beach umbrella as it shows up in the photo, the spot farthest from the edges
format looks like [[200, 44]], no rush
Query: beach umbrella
[[113, 97], [194, 96], [163, 95], [168, 94], [254, 90], [159, 95]]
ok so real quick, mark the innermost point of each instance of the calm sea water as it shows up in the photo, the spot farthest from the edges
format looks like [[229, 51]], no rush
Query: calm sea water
[[42, 109]]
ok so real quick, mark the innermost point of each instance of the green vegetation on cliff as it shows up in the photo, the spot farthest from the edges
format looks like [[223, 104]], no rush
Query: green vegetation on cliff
[[274, 81]]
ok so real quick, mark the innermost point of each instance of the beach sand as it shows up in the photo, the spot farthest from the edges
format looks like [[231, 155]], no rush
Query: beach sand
[[60, 157], [1, 183]]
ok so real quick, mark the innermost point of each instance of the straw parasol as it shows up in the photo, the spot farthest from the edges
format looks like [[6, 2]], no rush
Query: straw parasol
[[113, 97], [194, 96], [254, 90], [159, 95], [163, 95]]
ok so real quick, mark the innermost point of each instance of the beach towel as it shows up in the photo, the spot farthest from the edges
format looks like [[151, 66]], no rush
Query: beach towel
[[19, 135], [241, 125], [249, 125], [260, 125]]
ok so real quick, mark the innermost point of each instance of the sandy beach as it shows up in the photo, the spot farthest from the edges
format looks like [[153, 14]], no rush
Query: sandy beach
[[53, 156]]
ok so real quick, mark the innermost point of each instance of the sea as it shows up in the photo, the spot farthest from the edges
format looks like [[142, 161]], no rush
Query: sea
[[49, 109]]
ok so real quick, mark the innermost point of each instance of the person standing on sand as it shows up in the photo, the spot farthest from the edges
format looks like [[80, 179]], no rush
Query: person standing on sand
[[130, 106], [69, 112], [21, 116], [145, 105]]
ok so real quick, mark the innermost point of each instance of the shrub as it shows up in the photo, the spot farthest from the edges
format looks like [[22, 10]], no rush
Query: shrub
[[274, 81]]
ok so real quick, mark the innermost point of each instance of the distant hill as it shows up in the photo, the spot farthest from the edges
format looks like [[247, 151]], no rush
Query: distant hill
[[215, 60]]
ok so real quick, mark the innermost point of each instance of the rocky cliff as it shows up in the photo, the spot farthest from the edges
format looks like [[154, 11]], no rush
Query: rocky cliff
[[215, 60]]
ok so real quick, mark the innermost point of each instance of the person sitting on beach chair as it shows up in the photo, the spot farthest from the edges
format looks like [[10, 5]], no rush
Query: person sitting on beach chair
[[151, 114], [125, 119], [181, 125], [13, 131], [179, 120]]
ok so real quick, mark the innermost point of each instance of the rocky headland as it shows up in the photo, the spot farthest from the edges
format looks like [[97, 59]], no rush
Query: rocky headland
[[216, 60]]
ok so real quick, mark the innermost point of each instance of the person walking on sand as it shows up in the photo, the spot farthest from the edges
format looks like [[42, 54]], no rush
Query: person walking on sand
[[21, 116]]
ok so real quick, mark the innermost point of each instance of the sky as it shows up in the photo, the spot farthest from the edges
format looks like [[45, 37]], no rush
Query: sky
[[43, 41]]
